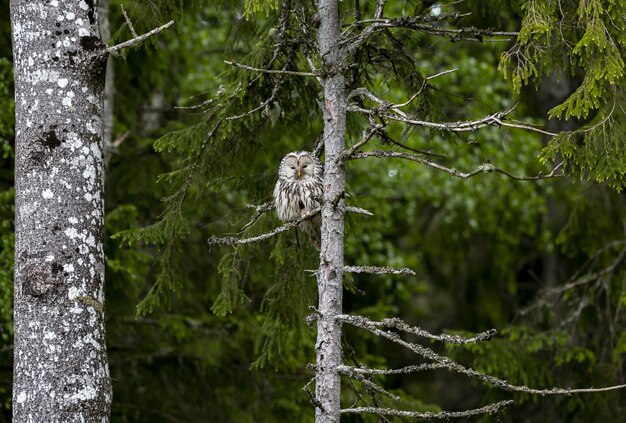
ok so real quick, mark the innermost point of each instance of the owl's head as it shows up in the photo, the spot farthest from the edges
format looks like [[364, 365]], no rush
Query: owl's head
[[300, 165]]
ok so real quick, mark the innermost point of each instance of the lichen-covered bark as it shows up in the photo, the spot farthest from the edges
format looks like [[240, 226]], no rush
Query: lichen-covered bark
[[60, 368], [330, 277]]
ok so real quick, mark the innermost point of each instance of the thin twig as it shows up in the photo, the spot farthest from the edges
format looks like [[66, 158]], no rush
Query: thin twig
[[270, 71], [306, 388], [130, 24], [358, 210], [437, 75], [260, 210], [371, 131], [346, 370], [139, 39], [594, 276]]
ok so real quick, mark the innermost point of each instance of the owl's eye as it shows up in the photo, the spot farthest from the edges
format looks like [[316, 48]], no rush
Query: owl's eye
[[293, 167], [304, 167]]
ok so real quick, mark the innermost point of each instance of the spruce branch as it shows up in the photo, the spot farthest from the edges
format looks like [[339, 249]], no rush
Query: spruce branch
[[441, 415], [378, 270], [484, 168], [139, 39], [449, 364]]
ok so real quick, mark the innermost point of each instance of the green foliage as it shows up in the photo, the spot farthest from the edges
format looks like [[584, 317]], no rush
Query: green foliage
[[253, 7], [587, 40], [596, 151]]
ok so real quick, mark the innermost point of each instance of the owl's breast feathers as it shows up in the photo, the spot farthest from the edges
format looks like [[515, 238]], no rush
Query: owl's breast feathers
[[295, 198]]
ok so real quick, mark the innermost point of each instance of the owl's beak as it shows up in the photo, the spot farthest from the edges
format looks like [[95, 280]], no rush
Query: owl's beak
[[299, 173]]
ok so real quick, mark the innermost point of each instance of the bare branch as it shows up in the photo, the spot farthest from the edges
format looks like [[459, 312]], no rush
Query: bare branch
[[307, 388], [378, 270], [484, 168], [139, 39], [441, 415], [260, 210], [592, 277], [371, 131], [404, 327], [494, 119], [403, 370], [214, 240], [447, 363], [419, 23], [437, 75], [130, 24], [358, 210], [270, 71], [346, 370]]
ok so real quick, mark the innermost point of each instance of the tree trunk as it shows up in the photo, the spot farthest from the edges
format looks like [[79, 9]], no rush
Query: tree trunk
[[330, 278], [60, 367]]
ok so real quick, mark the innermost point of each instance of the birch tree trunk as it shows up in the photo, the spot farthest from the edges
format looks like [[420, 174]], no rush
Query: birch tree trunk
[[60, 367], [330, 277]]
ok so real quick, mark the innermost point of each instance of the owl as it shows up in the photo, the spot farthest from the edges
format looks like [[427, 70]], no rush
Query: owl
[[299, 190]]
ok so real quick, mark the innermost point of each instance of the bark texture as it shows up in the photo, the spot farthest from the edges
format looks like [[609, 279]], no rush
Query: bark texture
[[60, 369], [330, 277]]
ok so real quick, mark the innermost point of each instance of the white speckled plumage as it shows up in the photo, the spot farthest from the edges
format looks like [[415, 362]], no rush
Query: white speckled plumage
[[299, 191]]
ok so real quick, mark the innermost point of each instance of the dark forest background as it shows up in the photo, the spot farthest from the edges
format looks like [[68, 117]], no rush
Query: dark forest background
[[198, 334]]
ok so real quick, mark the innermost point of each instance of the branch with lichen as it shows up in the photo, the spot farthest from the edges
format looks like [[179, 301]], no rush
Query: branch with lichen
[[399, 324], [264, 208], [378, 270], [483, 168], [139, 39], [431, 415], [449, 364]]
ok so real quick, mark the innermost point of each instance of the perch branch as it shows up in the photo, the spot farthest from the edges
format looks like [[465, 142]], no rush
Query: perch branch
[[440, 415], [378, 270], [139, 39], [484, 168], [214, 240]]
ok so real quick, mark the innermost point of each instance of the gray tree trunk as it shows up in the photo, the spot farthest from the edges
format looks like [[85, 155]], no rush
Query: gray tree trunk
[[330, 278], [60, 369]]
